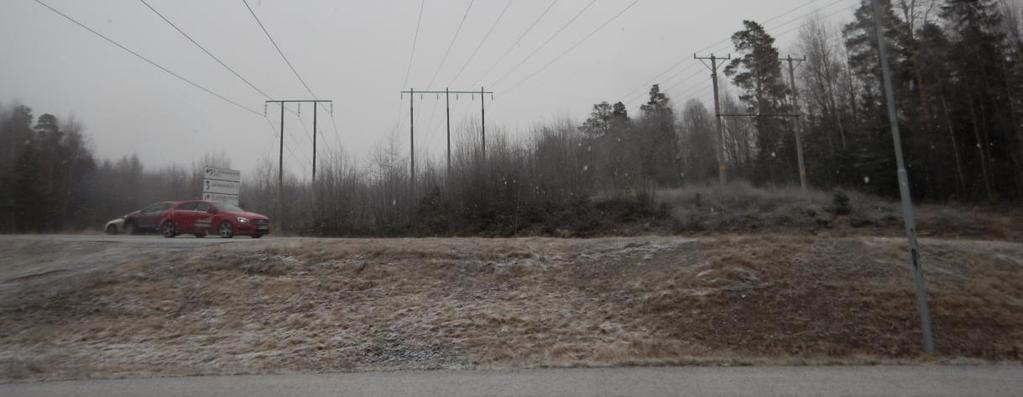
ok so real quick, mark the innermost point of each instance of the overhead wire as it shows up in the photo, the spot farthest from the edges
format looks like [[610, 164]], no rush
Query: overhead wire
[[793, 29], [573, 47], [483, 41], [683, 60], [516, 43], [201, 47], [147, 60], [415, 40], [545, 42], [290, 65], [208, 52], [454, 39], [443, 60], [278, 48], [411, 57], [720, 45]]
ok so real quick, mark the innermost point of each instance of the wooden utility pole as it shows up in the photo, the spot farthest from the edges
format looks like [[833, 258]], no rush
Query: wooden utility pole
[[316, 103], [447, 111], [720, 151], [447, 100], [797, 121]]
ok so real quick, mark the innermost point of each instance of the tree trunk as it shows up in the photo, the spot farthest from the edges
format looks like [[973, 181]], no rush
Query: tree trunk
[[981, 144], [960, 178]]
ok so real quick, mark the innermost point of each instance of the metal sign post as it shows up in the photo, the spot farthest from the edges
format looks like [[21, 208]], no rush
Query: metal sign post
[[908, 216]]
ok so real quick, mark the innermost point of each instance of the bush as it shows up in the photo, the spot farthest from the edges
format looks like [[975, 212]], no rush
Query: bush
[[840, 203]]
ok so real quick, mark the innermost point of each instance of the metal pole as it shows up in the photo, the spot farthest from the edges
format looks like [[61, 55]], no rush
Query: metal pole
[[280, 166], [722, 168], [411, 137], [796, 124], [315, 106], [447, 105], [483, 122], [907, 202]]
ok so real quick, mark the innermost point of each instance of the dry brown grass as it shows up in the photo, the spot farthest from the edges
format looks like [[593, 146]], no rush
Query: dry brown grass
[[367, 304], [742, 208]]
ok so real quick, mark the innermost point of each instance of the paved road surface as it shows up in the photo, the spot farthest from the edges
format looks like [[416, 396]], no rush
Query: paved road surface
[[684, 381], [146, 240]]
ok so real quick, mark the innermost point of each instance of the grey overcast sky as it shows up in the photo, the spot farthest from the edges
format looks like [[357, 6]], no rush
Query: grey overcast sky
[[356, 53]]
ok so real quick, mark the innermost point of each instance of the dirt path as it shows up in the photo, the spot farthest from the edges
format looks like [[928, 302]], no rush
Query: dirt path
[[327, 305]]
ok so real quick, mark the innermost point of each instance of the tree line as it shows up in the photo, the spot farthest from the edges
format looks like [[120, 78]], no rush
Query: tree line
[[958, 80], [957, 83]]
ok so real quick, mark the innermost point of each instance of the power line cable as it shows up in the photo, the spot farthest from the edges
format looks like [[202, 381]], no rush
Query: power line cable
[[516, 43], [287, 147], [683, 60], [147, 60], [274, 42], [793, 29], [446, 54], [719, 45], [415, 40], [458, 31], [408, 69], [544, 44], [573, 47], [210, 54], [485, 37]]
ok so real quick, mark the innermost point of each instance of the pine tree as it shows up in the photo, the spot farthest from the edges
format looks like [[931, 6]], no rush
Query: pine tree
[[659, 143], [757, 72], [980, 75]]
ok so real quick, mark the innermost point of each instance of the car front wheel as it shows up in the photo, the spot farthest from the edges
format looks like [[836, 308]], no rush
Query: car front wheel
[[168, 229], [225, 230]]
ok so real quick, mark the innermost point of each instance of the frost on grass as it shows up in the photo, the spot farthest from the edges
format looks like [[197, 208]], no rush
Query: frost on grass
[[371, 304]]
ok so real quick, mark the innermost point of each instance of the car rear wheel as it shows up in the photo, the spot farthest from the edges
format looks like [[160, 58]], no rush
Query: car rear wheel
[[111, 229], [169, 229], [225, 230]]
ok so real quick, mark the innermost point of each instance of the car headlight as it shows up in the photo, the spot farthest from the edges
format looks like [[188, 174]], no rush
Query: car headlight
[[243, 220]]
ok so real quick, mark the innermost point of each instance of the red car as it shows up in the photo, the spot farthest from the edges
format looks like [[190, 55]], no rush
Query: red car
[[144, 220], [200, 218]]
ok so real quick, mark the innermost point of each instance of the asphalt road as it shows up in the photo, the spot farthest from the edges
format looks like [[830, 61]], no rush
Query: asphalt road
[[681, 381], [145, 240]]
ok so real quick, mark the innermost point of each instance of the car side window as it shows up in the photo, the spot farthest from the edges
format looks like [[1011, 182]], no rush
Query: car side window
[[186, 207], [151, 208], [202, 207]]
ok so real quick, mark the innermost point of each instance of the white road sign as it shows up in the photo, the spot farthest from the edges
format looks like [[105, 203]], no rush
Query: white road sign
[[220, 198], [223, 174], [221, 185]]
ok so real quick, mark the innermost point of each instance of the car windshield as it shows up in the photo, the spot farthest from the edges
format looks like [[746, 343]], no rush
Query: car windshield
[[229, 207]]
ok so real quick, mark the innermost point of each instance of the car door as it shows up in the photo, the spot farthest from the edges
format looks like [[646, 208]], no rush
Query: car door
[[152, 215], [184, 216], [202, 218]]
